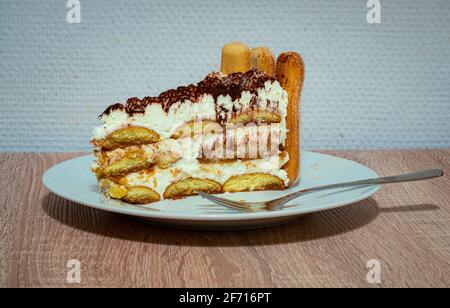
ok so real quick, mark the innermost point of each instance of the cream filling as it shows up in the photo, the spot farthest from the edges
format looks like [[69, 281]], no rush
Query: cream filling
[[160, 179], [271, 97], [248, 142]]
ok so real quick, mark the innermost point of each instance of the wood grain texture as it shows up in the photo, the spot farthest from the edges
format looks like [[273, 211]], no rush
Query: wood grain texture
[[405, 226], [12, 171]]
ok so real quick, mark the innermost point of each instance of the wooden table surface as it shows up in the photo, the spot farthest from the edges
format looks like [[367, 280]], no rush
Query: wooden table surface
[[406, 227]]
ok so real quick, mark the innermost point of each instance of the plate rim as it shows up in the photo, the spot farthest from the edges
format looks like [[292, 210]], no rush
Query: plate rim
[[148, 213]]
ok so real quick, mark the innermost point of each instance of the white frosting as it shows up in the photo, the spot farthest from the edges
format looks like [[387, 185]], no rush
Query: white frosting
[[208, 147], [271, 97], [117, 119], [180, 113], [276, 98], [160, 179]]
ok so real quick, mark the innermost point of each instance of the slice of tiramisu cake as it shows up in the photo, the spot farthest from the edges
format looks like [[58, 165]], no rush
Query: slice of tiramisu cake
[[234, 131]]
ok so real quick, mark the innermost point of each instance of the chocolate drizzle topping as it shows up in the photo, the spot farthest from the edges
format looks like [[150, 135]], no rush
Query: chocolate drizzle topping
[[214, 84], [112, 108]]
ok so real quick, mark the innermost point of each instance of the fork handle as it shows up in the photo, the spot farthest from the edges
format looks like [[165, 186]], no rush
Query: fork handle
[[407, 177]]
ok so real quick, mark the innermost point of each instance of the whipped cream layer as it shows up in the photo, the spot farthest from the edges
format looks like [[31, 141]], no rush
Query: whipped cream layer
[[216, 98], [241, 143], [159, 179]]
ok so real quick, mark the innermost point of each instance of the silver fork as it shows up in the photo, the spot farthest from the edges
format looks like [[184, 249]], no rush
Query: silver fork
[[280, 202]]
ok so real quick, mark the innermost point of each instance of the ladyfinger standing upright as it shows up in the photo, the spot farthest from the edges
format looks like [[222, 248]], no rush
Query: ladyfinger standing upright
[[263, 59], [290, 74], [235, 58]]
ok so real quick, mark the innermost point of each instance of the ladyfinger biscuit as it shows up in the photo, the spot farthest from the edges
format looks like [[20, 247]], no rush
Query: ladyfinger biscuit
[[123, 166], [133, 195], [191, 187], [253, 182], [127, 136], [263, 59], [193, 129], [290, 74], [235, 58], [141, 195]]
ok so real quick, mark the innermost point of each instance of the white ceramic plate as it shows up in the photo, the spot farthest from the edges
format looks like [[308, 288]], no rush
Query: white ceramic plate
[[74, 181]]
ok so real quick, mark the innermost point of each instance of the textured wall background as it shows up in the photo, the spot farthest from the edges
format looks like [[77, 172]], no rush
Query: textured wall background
[[367, 86]]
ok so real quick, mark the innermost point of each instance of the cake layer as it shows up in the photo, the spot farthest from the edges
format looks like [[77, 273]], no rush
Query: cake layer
[[256, 174], [127, 136], [231, 134], [252, 97], [246, 143]]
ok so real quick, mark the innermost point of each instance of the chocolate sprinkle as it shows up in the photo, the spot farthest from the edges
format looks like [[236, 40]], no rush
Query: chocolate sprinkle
[[214, 84]]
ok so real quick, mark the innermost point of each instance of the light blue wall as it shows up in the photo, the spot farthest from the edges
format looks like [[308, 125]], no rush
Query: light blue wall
[[367, 86]]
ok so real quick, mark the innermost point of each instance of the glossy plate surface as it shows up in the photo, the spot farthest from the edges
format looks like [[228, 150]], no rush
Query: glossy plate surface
[[73, 180]]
